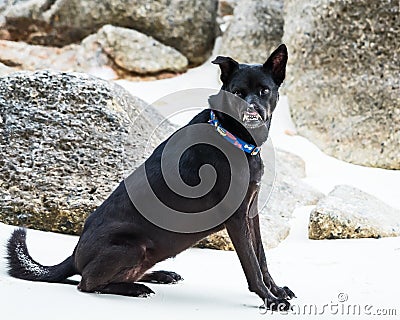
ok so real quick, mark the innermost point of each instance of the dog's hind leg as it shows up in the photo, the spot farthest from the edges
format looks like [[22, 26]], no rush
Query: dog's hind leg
[[126, 289], [162, 277], [115, 270]]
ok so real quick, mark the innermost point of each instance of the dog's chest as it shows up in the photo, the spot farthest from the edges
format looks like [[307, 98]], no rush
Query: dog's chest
[[256, 167]]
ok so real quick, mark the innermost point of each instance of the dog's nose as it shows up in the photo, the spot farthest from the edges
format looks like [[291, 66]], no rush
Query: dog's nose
[[251, 107]]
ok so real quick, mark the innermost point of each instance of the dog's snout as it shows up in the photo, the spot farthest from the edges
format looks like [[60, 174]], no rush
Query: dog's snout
[[250, 99], [251, 108]]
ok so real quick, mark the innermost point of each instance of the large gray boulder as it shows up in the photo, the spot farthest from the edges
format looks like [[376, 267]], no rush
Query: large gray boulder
[[87, 57], [275, 208], [256, 29], [343, 77], [189, 26], [136, 52], [288, 193], [347, 212], [66, 141], [120, 52], [34, 57], [22, 20]]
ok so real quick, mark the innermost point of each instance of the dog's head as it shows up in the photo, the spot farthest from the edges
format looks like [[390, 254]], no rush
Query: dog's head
[[255, 84]]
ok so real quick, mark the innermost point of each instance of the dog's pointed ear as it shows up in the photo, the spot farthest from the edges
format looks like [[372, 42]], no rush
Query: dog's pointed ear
[[276, 64], [227, 66]]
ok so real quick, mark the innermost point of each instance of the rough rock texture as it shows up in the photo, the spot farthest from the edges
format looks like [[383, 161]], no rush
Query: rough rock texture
[[219, 241], [256, 29], [91, 58], [22, 20], [66, 141], [343, 77], [347, 212], [118, 51], [29, 9], [277, 208], [87, 57], [33, 57], [189, 26], [288, 193], [134, 51], [226, 7]]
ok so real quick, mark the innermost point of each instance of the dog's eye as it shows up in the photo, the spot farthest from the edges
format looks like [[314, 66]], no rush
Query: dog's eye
[[264, 91], [237, 93]]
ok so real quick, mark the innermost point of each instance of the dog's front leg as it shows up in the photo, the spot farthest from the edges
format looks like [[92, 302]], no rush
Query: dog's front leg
[[240, 234], [280, 292]]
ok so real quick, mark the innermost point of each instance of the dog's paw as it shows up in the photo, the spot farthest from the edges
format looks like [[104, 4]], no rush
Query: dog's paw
[[282, 292], [162, 277], [176, 277], [290, 294], [143, 291], [146, 294]]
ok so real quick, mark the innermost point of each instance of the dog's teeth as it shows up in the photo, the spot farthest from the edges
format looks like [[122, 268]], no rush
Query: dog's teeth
[[252, 117]]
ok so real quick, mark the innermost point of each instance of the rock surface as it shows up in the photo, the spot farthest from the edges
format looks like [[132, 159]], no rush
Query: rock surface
[[66, 141], [23, 20], [136, 52], [120, 52], [347, 212], [189, 26], [87, 57], [288, 193], [276, 209], [256, 29], [33, 57], [343, 77], [226, 7], [218, 241]]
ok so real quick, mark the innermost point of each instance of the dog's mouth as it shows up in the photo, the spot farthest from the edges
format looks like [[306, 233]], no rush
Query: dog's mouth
[[252, 119]]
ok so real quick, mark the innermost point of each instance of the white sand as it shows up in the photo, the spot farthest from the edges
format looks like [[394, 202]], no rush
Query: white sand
[[365, 270]]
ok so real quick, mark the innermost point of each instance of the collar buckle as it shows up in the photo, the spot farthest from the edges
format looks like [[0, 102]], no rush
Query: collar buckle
[[256, 151]]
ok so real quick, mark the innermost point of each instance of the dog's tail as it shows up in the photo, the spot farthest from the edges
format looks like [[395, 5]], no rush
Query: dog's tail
[[22, 266]]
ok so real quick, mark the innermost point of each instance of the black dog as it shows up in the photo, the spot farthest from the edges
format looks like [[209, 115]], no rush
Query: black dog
[[118, 244]]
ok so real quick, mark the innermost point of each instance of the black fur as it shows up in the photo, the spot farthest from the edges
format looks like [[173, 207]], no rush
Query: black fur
[[118, 245], [21, 265]]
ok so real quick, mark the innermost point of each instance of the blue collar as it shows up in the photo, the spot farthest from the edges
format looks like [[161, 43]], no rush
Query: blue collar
[[239, 143]]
